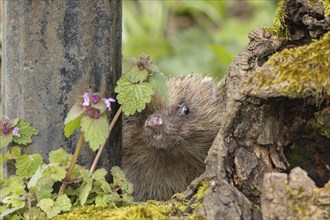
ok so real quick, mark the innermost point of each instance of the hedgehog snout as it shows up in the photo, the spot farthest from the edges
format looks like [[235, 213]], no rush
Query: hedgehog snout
[[154, 121]]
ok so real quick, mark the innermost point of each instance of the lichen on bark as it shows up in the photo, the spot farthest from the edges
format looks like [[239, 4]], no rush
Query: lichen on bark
[[294, 72]]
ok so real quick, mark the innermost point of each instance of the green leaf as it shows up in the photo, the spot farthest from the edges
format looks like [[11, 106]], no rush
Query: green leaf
[[55, 172], [120, 180], [26, 165], [128, 198], [13, 154], [36, 177], [41, 184], [61, 157], [15, 187], [3, 178], [136, 75], [102, 200], [14, 203], [43, 188], [85, 188], [63, 203], [159, 83], [133, 97], [37, 214], [47, 205], [76, 174], [100, 174], [101, 187], [26, 132], [5, 139], [96, 131], [72, 120]]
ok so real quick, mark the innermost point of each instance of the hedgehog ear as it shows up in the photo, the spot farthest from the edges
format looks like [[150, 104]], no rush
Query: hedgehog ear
[[208, 81]]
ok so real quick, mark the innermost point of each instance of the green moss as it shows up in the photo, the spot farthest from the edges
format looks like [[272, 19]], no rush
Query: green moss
[[303, 206], [295, 72], [326, 5], [202, 190], [177, 207], [279, 27], [147, 210]]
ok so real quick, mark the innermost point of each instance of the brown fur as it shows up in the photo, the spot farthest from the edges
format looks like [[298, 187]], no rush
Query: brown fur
[[160, 168]]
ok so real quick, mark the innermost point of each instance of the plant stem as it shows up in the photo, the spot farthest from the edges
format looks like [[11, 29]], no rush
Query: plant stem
[[30, 207], [98, 155], [73, 162]]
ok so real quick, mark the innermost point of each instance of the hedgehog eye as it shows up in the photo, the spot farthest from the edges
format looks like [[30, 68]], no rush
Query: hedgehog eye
[[184, 110]]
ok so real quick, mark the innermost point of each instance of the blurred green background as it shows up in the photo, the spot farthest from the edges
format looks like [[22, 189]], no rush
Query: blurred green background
[[192, 36]]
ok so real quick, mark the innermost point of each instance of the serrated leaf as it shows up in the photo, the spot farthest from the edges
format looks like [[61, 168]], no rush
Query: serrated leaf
[[37, 214], [76, 174], [41, 184], [128, 198], [60, 156], [55, 172], [72, 120], [43, 188], [136, 75], [119, 179], [26, 132], [26, 165], [85, 189], [5, 139], [47, 205], [16, 186], [63, 203], [13, 154], [14, 202], [159, 83], [101, 187], [133, 97], [117, 173], [100, 174], [102, 200], [96, 131]]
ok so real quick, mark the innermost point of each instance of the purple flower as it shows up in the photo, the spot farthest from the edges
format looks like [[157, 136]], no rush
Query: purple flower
[[5, 125], [87, 100], [5, 130], [15, 132], [96, 98], [108, 102], [90, 112], [97, 113]]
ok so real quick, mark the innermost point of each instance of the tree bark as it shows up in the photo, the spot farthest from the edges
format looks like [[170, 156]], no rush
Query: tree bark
[[48, 47], [264, 130]]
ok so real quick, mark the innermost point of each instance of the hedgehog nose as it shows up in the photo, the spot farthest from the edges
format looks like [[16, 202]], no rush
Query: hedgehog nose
[[153, 121]]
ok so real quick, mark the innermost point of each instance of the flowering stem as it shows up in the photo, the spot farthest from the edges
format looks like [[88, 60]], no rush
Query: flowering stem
[[73, 162], [98, 155]]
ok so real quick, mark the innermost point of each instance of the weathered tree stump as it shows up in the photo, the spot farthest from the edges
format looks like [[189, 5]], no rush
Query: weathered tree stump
[[271, 122], [48, 46]]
